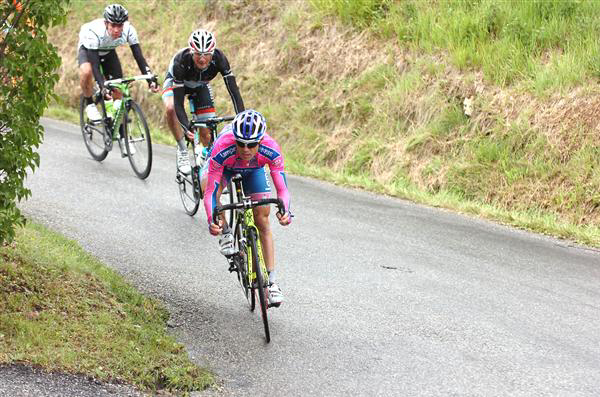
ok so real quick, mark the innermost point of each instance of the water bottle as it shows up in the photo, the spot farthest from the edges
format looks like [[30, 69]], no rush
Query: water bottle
[[197, 145], [108, 104], [116, 106]]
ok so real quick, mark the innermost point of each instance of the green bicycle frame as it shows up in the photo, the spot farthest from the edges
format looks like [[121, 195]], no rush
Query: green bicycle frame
[[249, 222], [120, 112]]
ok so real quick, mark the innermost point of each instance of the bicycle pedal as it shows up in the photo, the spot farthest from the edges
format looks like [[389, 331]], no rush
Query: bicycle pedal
[[274, 304], [232, 266]]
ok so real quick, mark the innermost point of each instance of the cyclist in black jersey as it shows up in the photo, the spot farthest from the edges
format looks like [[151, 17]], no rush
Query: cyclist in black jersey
[[189, 73]]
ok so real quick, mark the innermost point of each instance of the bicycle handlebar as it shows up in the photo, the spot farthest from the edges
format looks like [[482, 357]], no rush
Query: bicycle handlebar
[[114, 82], [249, 204], [210, 121]]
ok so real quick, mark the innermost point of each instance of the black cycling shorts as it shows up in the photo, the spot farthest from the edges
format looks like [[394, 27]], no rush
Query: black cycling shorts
[[201, 95], [110, 64]]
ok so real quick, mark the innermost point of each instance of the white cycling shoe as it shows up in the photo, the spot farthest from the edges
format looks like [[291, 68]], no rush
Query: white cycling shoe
[[275, 295], [92, 112], [183, 162], [226, 244]]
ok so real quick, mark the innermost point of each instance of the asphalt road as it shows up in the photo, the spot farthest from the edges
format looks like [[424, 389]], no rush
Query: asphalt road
[[384, 297]]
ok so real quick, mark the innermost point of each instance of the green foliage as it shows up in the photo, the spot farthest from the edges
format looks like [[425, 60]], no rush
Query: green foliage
[[508, 40], [82, 317], [361, 13], [28, 70]]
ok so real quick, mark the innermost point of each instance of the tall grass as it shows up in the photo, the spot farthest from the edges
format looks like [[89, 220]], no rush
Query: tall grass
[[512, 40]]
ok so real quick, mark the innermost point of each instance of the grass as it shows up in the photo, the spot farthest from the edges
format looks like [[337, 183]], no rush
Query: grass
[[83, 318], [509, 40]]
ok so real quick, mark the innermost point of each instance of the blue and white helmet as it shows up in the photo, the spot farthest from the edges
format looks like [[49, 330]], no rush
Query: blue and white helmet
[[249, 126]]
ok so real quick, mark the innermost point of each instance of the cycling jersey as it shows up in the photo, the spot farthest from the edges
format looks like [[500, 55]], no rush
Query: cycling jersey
[[223, 159], [183, 77], [93, 36], [96, 45]]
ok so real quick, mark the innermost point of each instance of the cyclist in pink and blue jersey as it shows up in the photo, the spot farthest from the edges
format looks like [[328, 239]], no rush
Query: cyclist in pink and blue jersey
[[244, 147]]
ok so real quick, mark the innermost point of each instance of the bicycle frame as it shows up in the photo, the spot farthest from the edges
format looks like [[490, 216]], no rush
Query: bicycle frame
[[245, 220], [123, 86]]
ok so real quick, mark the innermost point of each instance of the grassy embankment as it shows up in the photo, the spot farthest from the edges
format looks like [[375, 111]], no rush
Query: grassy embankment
[[370, 93], [529, 152], [62, 310]]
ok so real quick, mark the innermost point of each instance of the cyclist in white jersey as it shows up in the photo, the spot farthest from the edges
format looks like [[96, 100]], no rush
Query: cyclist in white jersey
[[97, 42]]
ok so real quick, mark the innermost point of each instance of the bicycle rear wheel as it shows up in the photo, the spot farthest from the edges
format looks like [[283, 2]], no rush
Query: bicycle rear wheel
[[137, 140], [93, 134], [261, 288]]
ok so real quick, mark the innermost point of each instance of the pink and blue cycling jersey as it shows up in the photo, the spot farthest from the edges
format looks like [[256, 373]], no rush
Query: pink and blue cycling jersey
[[223, 161]]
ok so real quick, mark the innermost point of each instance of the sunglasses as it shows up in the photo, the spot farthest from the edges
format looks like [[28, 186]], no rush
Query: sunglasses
[[203, 54], [248, 145]]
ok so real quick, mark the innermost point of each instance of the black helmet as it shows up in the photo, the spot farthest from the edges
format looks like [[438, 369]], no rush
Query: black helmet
[[115, 13]]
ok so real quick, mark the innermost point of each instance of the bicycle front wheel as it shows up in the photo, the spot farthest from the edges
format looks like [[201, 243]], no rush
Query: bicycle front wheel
[[189, 190], [227, 198], [260, 285], [93, 134], [137, 140]]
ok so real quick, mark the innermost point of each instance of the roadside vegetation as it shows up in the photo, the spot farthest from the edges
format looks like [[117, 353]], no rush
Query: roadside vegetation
[[28, 73], [62, 310], [482, 107], [546, 45]]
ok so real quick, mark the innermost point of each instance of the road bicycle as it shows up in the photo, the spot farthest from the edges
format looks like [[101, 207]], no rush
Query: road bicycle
[[190, 189], [125, 121], [248, 263]]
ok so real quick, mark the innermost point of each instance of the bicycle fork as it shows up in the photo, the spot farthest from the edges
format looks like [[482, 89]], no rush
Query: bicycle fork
[[262, 266]]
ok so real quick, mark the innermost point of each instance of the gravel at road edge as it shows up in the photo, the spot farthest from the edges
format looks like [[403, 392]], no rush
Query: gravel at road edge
[[23, 381]]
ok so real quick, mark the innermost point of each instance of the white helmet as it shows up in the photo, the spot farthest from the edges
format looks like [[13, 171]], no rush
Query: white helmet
[[202, 41]]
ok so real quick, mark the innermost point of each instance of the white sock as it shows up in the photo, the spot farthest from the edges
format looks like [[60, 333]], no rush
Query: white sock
[[181, 145]]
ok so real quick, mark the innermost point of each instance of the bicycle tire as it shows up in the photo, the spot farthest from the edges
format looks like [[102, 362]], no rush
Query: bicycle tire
[[261, 288], [242, 266], [93, 138], [138, 141], [229, 214], [189, 191]]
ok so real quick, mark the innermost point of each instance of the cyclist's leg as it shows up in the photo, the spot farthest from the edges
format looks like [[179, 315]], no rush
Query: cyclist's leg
[[111, 66], [86, 77], [168, 99], [257, 185], [204, 108], [112, 69]]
